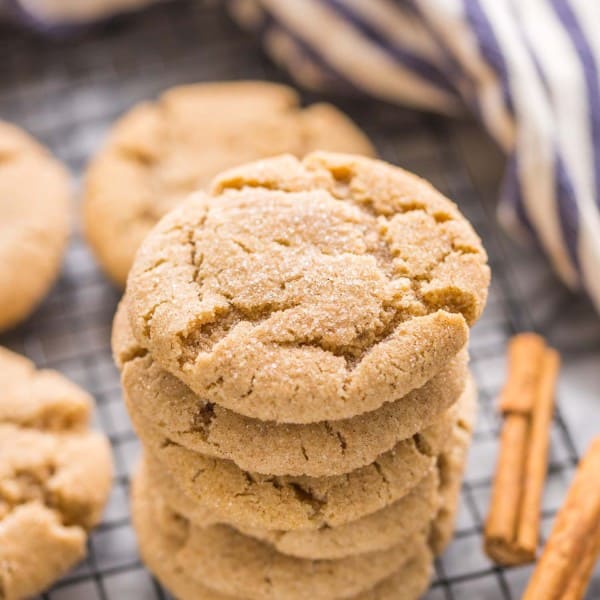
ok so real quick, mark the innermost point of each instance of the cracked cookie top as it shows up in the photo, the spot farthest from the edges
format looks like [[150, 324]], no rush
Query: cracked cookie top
[[163, 551], [303, 291], [34, 211], [213, 553], [252, 500], [397, 523], [315, 449], [55, 476], [160, 152]]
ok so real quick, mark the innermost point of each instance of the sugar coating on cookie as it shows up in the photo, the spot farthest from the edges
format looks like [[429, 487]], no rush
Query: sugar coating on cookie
[[397, 523], [162, 547], [161, 151], [433, 500], [251, 500], [315, 449], [34, 210], [55, 476], [304, 291], [301, 503], [212, 554]]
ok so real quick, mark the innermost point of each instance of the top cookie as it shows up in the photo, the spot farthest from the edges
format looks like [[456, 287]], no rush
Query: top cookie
[[160, 152], [308, 291], [34, 204]]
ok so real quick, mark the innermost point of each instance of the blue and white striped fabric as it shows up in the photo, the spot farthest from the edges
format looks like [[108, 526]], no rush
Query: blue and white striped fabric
[[528, 69]]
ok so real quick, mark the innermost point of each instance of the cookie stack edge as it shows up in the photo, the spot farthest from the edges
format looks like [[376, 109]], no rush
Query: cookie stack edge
[[233, 499]]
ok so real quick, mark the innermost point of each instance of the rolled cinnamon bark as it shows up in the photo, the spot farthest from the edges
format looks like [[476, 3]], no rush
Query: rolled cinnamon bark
[[567, 562], [527, 403]]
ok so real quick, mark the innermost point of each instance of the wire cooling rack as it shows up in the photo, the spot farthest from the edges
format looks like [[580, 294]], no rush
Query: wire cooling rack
[[68, 92]]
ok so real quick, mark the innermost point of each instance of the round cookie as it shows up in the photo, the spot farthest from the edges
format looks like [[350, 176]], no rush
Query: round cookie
[[292, 503], [55, 476], [161, 151], [315, 449], [213, 554], [34, 211], [160, 549], [397, 523], [308, 291], [400, 521]]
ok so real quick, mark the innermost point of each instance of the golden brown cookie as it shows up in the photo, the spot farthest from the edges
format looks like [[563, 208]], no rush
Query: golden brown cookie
[[170, 547], [437, 494], [232, 563], [161, 151], [34, 214], [315, 449], [390, 526], [289, 503], [299, 503], [55, 476], [308, 291]]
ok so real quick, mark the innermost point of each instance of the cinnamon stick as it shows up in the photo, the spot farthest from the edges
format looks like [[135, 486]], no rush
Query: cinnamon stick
[[536, 462], [583, 571], [525, 352], [566, 564], [527, 404]]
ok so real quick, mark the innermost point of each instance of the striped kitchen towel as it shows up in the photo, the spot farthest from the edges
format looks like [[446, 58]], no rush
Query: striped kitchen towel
[[528, 69], [58, 16]]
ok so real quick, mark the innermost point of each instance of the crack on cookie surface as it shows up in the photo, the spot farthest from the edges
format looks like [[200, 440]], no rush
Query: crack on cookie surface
[[24, 486], [307, 498], [280, 268], [202, 337], [423, 445], [203, 418], [378, 244]]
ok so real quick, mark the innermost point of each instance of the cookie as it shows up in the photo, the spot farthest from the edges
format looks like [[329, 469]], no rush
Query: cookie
[[161, 151], [212, 554], [308, 291], [452, 465], [397, 523], [316, 449], [39, 399], [290, 503], [293, 503], [436, 496], [34, 212], [55, 476], [163, 550]]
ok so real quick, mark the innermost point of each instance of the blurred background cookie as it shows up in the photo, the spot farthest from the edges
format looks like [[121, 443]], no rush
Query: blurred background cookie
[[34, 223], [55, 476], [161, 151]]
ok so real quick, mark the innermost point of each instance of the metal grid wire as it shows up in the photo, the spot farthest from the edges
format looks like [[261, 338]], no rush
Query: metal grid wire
[[68, 92]]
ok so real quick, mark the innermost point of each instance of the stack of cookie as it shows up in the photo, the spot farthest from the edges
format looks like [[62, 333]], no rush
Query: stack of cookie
[[292, 347]]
